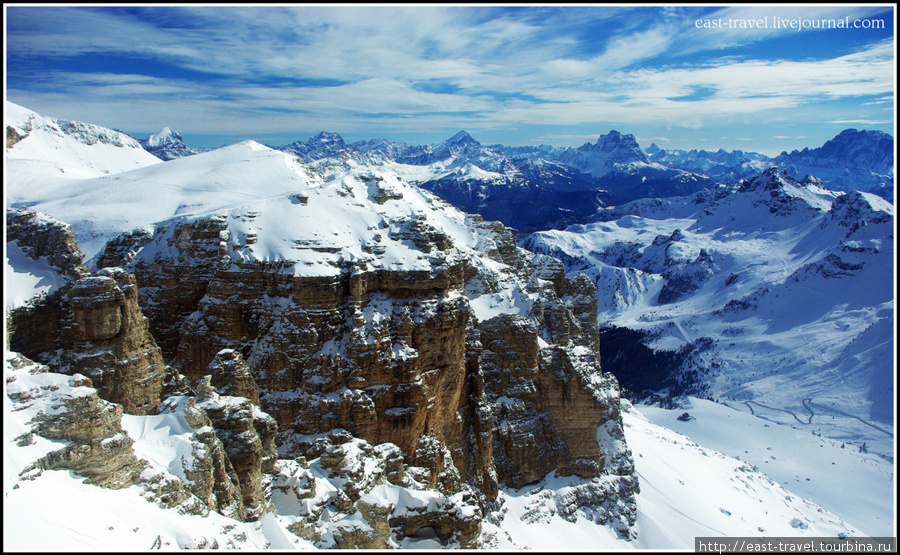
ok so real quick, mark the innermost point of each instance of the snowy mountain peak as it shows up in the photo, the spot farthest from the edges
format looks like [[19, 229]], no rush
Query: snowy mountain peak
[[613, 151], [862, 160], [39, 146], [165, 137], [23, 121], [784, 195], [167, 144], [252, 145], [621, 148], [324, 144], [326, 138], [460, 140]]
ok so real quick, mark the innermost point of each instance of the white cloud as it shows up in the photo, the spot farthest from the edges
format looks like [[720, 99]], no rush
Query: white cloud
[[863, 121], [281, 68]]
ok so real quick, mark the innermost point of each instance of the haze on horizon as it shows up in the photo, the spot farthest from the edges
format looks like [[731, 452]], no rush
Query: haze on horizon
[[516, 75]]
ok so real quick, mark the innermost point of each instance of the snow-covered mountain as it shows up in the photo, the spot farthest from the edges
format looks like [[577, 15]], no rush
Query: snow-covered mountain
[[770, 292], [611, 151], [523, 193], [624, 172], [354, 392], [721, 165], [852, 160], [417, 362], [503, 182], [167, 145], [101, 208], [522, 203], [322, 145], [527, 189], [39, 146]]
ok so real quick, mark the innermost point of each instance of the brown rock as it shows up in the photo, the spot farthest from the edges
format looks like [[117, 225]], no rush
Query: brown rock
[[234, 420], [96, 446], [43, 237], [111, 342], [211, 476], [95, 327], [396, 356]]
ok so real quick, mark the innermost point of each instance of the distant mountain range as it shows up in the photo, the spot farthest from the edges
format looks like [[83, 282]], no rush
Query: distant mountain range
[[534, 188]]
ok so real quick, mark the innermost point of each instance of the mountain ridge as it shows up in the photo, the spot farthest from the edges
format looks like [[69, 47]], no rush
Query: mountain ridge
[[250, 258]]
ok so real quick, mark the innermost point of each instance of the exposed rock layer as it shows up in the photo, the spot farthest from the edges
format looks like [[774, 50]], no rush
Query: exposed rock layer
[[410, 358], [93, 325]]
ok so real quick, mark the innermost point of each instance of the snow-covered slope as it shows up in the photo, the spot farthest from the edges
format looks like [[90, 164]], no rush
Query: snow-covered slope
[[689, 490], [47, 510], [100, 208], [39, 147], [776, 292], [854, 485]]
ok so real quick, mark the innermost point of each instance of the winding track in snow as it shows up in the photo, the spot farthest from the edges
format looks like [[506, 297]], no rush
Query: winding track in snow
[[780, 410], [808, 404]]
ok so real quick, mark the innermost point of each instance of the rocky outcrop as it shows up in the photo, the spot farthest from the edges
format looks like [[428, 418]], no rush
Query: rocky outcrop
[[246, 433], [547, 404], [373, 500], [382, 354], [68, 410], [230, 375], [111, 342], [415, 356], [210, 475], [40, 236], [93, 325]]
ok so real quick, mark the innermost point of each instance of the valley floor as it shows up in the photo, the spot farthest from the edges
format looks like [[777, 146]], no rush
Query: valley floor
[[858, 487]]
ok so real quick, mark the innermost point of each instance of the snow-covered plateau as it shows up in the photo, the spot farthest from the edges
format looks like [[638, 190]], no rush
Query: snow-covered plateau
[[300, 348]]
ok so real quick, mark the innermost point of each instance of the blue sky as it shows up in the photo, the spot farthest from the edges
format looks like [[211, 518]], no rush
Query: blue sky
[[522, 75]]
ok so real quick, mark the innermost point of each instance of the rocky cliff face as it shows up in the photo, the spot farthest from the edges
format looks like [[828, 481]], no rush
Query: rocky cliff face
[[92, 326], [95, 327], [247, 433], [402, 357], [42, 237], [381, 354], [469, 365]]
